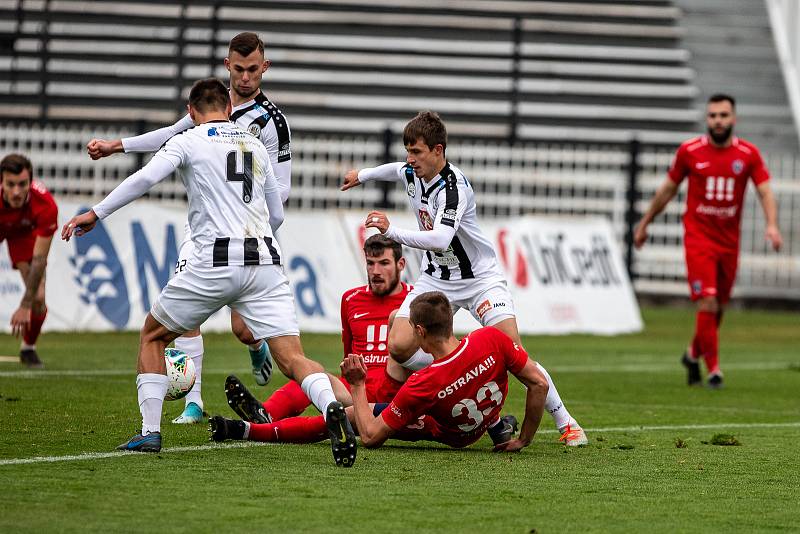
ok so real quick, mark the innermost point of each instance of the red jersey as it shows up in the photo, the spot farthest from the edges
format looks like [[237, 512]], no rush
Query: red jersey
[[463, 393], [37, 217], [365, 328], [717, 184]]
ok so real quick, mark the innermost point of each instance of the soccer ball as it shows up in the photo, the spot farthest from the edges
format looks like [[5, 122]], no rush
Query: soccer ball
[[181, 374]]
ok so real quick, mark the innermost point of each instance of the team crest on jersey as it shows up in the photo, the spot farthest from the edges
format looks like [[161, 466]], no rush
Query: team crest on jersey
[[411, 189], [254, 129], [737, 166], [425, 220]]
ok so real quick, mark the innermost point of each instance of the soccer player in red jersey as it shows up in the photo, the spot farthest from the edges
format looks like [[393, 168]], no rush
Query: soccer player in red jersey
[[718, 166], [365, 313], [28, 220], [454, 400]]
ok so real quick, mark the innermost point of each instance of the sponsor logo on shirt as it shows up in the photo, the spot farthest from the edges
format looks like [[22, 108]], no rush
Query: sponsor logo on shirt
[[724, 212], [395, 410], [449, 214], [375, 359], [737, 166], [702, 165], [483, 307], [212, 132], [472, 374]]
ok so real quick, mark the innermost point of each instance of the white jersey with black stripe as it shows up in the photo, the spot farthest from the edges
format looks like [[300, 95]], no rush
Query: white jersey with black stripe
[[229, 181], [448, 199]]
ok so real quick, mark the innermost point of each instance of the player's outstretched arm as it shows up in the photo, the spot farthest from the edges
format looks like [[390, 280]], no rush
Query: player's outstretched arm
[[372, 430], [536, 383], [100, 148], [79, 225], [387, 172], [770, 207], [664, 194]]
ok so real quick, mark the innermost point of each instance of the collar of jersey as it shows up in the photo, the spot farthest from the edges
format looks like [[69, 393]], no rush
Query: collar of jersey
[[250, 102], [453, 355]]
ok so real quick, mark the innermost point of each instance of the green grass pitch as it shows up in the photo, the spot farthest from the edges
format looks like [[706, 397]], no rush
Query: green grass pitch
[[649, 466]]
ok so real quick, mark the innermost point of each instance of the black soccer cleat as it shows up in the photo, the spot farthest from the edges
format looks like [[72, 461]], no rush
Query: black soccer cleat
[[504, 430], [715, 381], [692, 370], [343, 439], [221, 428], [30, 359], [244, 403], [150, 442]]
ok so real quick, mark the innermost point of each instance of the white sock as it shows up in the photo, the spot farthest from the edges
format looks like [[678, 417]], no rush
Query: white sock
[[151, 389], [193, 347], [25, 346], [317, 387], [418, 360], [554, 406]]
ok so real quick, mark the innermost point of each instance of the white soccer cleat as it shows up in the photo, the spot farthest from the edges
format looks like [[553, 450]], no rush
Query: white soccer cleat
[[573, 435]]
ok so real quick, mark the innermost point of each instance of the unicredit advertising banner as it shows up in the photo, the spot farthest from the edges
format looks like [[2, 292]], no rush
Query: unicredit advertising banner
[[566, 275]]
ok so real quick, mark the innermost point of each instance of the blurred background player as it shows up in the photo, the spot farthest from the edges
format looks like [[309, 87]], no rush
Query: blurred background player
[[255, 113], [453, 400], [459, 260], [229, 266], [28, 220], [718, 166]]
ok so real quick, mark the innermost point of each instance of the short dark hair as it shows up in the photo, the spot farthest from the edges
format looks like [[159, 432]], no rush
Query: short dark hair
[[722, 97], [209, 95], [428, 126], [376, 244], [245, 43], [15, 164], [433, 311]]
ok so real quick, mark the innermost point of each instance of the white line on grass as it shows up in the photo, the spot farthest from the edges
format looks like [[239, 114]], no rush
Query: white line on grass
[[623, 368], [243, 444]]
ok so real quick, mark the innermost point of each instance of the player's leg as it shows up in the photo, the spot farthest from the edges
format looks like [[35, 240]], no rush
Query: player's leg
[[701, 267], [20, 250], [267, 307], [494, 307], [289, 430], [403, 349], [191, 343], [260, 357], [726, 275]]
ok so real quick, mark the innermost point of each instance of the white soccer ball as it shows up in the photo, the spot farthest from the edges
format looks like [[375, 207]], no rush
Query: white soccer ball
[[181, 374]]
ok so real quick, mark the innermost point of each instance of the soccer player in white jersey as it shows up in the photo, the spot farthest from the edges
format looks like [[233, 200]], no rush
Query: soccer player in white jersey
[[234, 210], [459, 260], [256, 114]]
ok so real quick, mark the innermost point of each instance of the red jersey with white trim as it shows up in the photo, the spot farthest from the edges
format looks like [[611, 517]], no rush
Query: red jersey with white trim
[[365, 327], [463, 392], [717, 185], [38, 216]]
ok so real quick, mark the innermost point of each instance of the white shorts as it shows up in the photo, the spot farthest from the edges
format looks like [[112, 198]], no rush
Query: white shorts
[[259, 293], [487, 299]]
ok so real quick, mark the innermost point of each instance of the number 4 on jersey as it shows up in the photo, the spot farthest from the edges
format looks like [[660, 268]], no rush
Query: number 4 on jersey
[[246, 176]]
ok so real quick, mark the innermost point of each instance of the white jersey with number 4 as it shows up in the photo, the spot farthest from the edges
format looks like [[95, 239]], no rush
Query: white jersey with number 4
[[228, 175]]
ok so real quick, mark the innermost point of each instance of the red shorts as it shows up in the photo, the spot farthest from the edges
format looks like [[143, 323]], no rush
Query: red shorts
[[380, 386], [711, 272], [426, 428], [20, 248]]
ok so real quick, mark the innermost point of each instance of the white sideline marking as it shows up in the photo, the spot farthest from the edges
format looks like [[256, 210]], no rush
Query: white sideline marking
[[244, 444], [623, 368]]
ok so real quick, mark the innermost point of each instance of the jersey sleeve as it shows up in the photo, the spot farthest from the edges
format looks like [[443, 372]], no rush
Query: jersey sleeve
[[279, 149], [387, 172], [451, 203], [412, 401], [347, 333], [758, 169], [152, 141], [46, 215], [514, 356], [679, 168]]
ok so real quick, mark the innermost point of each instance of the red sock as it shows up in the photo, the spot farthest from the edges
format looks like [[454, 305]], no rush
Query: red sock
[[32, 332], [291, 430], [287, 401], [708, 338]]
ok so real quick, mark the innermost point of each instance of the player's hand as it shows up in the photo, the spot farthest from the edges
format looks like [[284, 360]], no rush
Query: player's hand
[[513, 445], [350, 180], [20, 321], [100, 148], [377, 219], [640, 235], [773, 235], [80, 224], [353, 369]]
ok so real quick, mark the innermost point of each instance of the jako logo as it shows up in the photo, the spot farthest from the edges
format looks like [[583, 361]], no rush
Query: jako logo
[[100, 275]]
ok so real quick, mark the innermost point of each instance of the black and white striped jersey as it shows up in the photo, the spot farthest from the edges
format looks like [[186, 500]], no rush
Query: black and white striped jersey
[[230, 184], [447, 200]]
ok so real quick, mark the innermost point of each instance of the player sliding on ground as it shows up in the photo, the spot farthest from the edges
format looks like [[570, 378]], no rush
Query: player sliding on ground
[[234, 209], [459, 260], [255, 113]]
